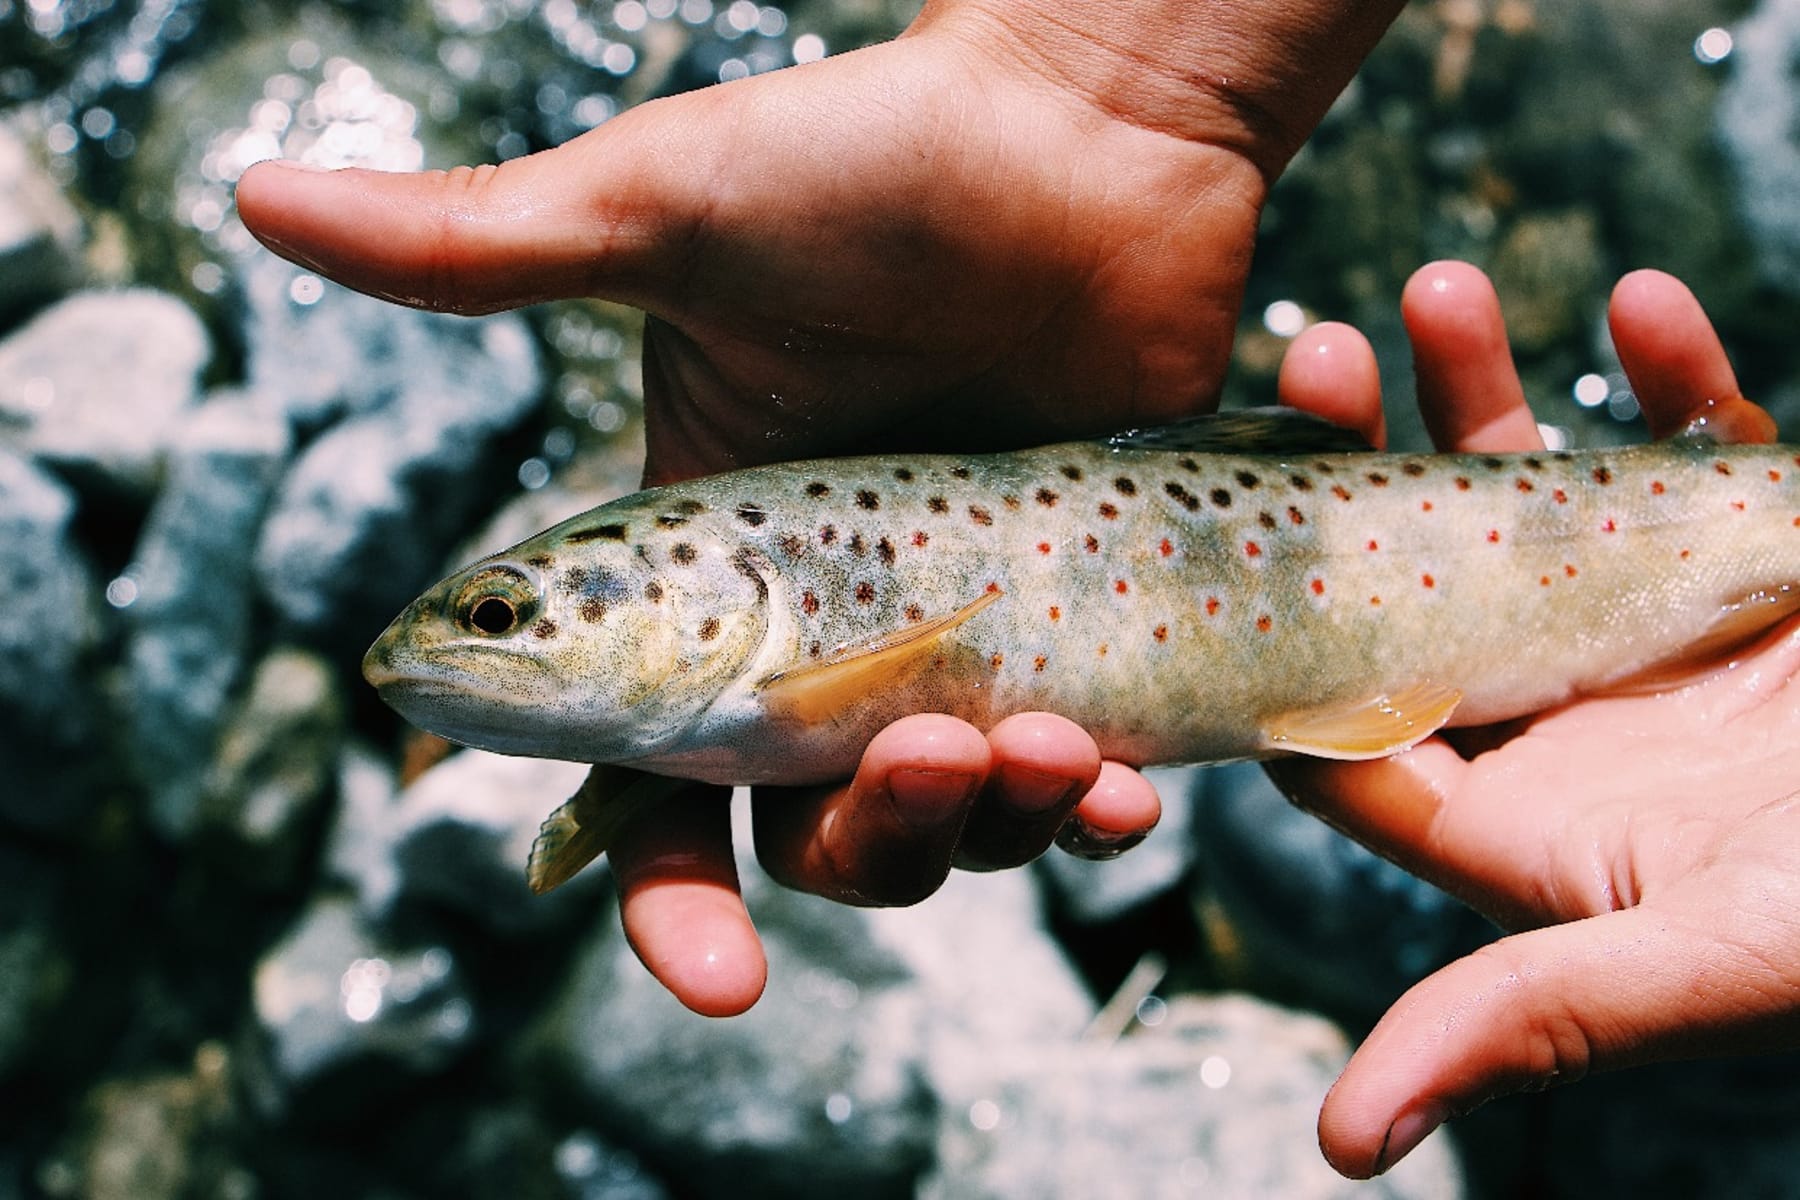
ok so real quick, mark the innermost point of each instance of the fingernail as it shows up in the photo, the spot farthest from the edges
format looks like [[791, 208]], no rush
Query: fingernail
[[1408, 1130], [926, 799], [1084, 841], [1029, 791]]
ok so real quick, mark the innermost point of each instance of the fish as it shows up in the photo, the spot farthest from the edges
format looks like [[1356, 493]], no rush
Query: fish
[[1239, 586]]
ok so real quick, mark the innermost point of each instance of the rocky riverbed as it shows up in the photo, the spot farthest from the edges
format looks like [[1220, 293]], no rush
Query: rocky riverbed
[[259, 940]]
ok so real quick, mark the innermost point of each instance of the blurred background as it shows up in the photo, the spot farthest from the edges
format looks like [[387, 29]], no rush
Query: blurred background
[[257, 940]]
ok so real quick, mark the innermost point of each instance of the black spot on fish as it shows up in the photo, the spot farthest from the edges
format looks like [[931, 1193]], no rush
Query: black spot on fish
[[1190, 465], [915, 613], [1723, 468], [792, 545], [959, 472], [544, 629], [938, 504], [1047, 498], [683, 553], [1377, 479], [1301, 483], [903, 474], [542, 562], [668, 521], [1266, 520], [1324, 468], [751, 514], [1247, 479], [818, 490], [1126, 485], [858, 547], [1221, 497], [865, 592], [1603, 475], [574, 579], [827, 535], [653, 592], [1071, 472], [884, 549], [1492, 463], [867, 499], [611, 532], [709, 629], [1181, 495], [1534, 462], [1412, 469], [980, 515], [815, 649], [1010, 501], [689, 507], [592, 610], [1563, 456]]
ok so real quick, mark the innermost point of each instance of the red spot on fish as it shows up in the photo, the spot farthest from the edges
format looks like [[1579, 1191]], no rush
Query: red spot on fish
[[1092, 544], [920, 537], [1609, 526], [1166, 548], [1318, 587], [1425, 506], [1252, 550], [1264, 623], [1774, 476], [993, 588], [1561, 496], [1543, 581], [1524, 485], [1121, 587], [1212, 606], [1296, 516], [914, 613], [1374, 601], [1160, 633], [1043, 547], [1687, 554], [1102, 649], [996, 661], [1723, 468], [1569, 570], [809, 604], [1374, 545], [1428, 580], [1737, 506], [1657, 488], [1055, 613], [1039, 663], [1109, 510], [1462, 483], [1494, 536], [1340, 491]]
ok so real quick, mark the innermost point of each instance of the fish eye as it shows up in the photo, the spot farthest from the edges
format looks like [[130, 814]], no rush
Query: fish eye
[[496, 603]]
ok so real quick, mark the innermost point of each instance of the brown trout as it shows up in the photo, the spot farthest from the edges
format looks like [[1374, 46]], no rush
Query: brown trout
[[1231, 587]]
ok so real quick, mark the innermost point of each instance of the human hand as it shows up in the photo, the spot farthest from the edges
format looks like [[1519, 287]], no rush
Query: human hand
[[1022, 221], [1645, 843]]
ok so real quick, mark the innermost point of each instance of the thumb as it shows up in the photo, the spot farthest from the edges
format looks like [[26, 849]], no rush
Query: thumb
[[594, 216], [1529, 1011]]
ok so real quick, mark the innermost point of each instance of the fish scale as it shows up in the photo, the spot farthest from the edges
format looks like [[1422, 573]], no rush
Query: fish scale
[[1181, 603]]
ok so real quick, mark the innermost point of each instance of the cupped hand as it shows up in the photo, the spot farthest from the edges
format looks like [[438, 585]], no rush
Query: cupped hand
[[1645, 845], [1018, 223]]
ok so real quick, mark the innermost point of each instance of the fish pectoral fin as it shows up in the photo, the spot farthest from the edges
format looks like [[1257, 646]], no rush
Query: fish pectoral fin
[[1373, 728], [1736, 626], [1272, 430], [581, 830], [816, 691]]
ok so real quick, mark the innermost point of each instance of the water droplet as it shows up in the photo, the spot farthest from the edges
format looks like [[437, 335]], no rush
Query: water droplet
[[838, 1108], [1284, 318], [1713, 46], [984, 1115], [1591, 391], [306, 290], [1215, 1072], [534, 473]]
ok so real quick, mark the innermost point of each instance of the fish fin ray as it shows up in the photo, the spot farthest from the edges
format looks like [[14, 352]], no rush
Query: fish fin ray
[[1272, 430], [816, 691], [1736, 626], [584, 827], [1372, 728]]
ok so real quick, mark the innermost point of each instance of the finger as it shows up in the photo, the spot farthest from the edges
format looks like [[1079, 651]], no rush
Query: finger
[[1329, 370], [1117, 813], [887, 838], [1538, 1009], [1043, 765], [681, 907], [1469, 392], [1676, 364], [594, 216]]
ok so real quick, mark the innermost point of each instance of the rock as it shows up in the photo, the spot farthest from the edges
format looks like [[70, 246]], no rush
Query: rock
[[40, 234], [363, 520], [97, 385], [1757, 112], [1546, 268], [192, 618], [32, 957], [1220, 1098], [1311, 912], [593, 1170], [458, 839], [160, 1137], [273, 772], [345, 1019], [49, 704], [823, 1087], [1094, 893]]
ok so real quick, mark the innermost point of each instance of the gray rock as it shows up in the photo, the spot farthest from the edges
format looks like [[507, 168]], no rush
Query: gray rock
[[369, 510], [1313, 913], [40, 234], [192, 615], [160, 1137], [273, 772], [32, 957], [1757, 114], [1219, 1098], [458, 838], [345, 1017], [1094, 893], [49, 703], [98, 384]]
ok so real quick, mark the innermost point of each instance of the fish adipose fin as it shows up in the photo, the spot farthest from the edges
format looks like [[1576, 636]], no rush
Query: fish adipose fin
[[581, 830], [1245, 431], [1736, 626], [817, 691], [1373, 728]]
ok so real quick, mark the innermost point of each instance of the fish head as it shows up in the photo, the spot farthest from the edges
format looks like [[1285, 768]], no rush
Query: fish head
[[575, 648]]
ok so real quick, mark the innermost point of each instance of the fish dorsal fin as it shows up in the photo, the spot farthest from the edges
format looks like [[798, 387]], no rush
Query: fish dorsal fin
[[581, 830], [1372, 728], [816, 691], [1733, 421], [1245, 431], [1736, 626]]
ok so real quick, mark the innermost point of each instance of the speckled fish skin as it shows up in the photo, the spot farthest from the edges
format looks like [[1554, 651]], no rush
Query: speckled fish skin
[[1178, 605]]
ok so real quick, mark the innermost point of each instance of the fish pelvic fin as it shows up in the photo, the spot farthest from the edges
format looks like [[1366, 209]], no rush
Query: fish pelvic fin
[[1372, 728], [817, 691], [587, 823]]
